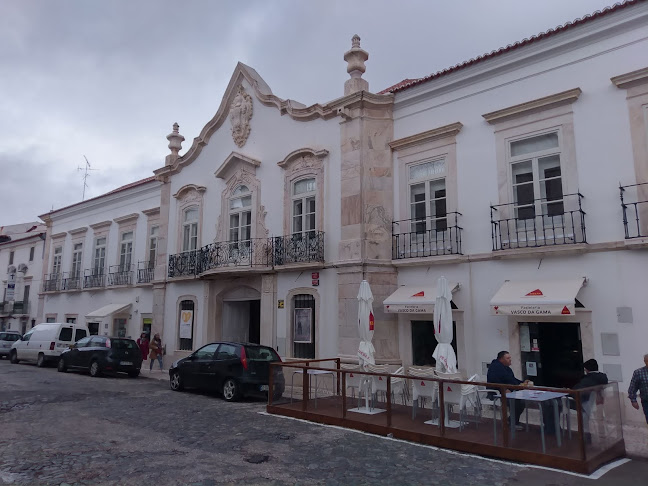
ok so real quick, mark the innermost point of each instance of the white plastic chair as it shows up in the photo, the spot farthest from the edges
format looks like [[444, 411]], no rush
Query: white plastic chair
[[492, 398], [353, 380], [379, 383], [452, 395], [422, 389]]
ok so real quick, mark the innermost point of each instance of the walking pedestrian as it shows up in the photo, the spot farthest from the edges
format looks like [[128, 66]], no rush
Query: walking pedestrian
[[156, 351], [143, 344], [639, 382]]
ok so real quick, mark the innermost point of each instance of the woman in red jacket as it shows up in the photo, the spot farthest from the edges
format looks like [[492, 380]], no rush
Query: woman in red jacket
[[143, 344]]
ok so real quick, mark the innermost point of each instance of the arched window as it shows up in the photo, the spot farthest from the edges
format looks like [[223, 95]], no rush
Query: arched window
[[304, 192], [185, 327], [240, 215], [190, 229]]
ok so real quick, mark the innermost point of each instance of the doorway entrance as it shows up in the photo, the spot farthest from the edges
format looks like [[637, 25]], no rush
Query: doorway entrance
[[424, 343], [552, 353], [242, 321]]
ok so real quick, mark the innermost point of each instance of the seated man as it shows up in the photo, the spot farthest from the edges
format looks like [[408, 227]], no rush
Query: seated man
[[592, 377], [500, 372]]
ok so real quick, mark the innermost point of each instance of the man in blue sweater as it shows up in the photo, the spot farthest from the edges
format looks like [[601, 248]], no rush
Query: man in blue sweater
[[500, 372]]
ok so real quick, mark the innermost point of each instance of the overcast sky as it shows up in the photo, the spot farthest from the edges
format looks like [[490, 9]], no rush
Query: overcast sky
[[107, 79]]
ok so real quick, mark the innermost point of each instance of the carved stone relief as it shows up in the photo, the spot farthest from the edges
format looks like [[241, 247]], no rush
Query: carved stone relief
[[240, 115]]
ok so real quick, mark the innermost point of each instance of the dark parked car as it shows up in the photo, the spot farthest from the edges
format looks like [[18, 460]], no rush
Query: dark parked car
[[234, 369], [99, 354]]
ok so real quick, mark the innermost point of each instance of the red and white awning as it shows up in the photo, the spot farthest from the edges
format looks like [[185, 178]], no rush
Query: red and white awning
[[414, 299], [537, 298]]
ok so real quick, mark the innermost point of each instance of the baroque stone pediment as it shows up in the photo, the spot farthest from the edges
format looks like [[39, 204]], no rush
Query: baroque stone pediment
[[235, 160], [190, 193]]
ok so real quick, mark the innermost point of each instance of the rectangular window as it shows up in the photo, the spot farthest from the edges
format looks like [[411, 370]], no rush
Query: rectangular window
[[70, 320], [77, 255], [304, 206], [11, 257], [56, 262], [190, 230], [536, 178], [79, 334], [428, 207], [65, 334], [31, 253], [50, 319], [26, 297], [153, 241], [126, 251], [99, 256]]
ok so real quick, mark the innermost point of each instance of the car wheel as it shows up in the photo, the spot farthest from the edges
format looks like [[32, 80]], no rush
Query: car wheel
[[40, 362], [61, 366], [134, 374], [13, 357], [230, 390], [175, 381], [94, 369]]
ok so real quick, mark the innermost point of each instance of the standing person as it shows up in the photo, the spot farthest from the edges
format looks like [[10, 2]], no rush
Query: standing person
[[156, 351], [143, 344], [500, 372], [639, 383]]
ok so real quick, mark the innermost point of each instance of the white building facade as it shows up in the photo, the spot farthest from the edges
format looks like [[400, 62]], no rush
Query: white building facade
[[97, 255], [518, 176], [21, 258]]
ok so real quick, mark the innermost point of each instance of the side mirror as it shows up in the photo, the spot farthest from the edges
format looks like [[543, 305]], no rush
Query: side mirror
[[22, 338]]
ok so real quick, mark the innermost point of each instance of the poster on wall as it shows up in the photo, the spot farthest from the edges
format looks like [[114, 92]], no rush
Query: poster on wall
[[531, 368], [525, 338], [302, 331], [186, 324]]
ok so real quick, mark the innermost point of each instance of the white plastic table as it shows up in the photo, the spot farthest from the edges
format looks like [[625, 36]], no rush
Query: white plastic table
[[314, 373], [538, 397]]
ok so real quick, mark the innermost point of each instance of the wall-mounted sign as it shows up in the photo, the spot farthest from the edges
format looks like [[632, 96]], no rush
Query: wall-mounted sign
[[11, 286], [280, 304], [315, 275], [531, 368], [315, 282], [186, 324]]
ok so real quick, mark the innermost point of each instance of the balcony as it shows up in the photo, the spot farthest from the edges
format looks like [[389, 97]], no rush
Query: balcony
[[426, 237], [20, 307], [120, 275], [71, 281], [538, 222], [94, 278], [145, 272], [52, 282], [634, 202], [306, 247]]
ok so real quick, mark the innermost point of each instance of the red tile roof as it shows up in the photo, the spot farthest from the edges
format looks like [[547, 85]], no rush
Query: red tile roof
[[119, 189], [408, 83]]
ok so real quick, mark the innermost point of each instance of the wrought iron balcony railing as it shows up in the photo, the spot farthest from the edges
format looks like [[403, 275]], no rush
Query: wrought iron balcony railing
[[20, 307], [71, 281], [52, 282], [424, 237], [93, 278], [634, 202], [145, 272], [306, 247], [120, 275], [541, 222], [267, 252]]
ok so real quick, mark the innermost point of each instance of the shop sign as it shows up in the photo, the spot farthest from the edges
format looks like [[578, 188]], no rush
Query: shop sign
[[533, 310], [409, 308]]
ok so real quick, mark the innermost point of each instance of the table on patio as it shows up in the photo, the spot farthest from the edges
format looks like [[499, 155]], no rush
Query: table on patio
[[538, 397]]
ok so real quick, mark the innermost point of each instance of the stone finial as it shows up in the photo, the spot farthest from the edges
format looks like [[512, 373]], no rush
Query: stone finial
[[355, 58], [175, 143]]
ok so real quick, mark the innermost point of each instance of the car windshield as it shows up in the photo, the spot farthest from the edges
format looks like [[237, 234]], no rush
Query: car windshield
[[122, 344], [261, 354]]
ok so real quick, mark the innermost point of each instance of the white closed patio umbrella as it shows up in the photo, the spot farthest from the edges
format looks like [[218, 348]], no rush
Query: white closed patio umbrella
[[365, 331], [446, 359]]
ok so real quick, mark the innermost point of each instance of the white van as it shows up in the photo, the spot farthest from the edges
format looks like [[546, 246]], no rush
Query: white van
[[46, 341]]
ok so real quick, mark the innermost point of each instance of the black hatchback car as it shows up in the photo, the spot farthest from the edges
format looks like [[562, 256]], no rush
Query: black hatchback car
[[234, 369], [99, 354]]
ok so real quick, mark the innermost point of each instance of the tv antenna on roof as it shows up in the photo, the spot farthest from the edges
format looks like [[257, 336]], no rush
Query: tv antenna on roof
[[85, 174]]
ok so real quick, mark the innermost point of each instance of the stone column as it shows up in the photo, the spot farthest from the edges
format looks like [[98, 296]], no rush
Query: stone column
[[41, 297], [366, 211]]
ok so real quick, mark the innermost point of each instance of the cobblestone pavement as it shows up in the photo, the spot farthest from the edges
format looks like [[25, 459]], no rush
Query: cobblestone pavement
[[58, 428]]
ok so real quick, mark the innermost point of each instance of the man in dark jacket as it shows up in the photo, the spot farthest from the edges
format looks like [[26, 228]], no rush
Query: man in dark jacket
[[500, 372], [592, 377]]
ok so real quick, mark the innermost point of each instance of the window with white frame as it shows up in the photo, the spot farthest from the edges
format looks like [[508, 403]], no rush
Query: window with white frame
[[31, 253], [240, 215], [536, 177], [152, 248], [126, 251], [77, 257], [11, 257], [427, 196], [304, 210], [56, 262], [190, 229], [99, 256]]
